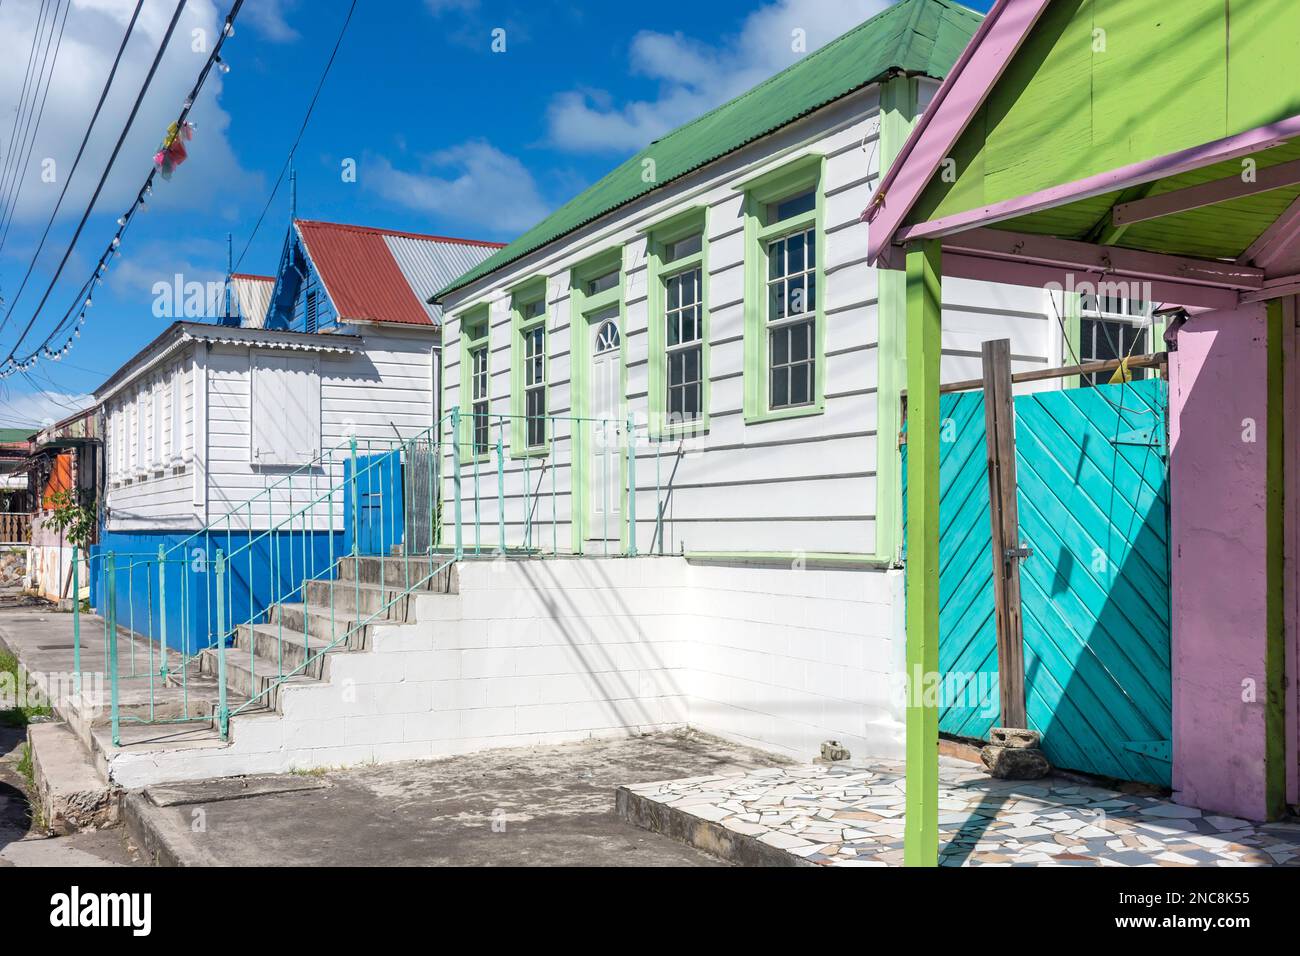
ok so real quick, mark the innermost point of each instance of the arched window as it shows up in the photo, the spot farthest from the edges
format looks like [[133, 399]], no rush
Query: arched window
[[607, 337]]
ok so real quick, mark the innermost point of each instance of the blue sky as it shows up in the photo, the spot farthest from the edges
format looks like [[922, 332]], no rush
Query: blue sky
[[448, 136]]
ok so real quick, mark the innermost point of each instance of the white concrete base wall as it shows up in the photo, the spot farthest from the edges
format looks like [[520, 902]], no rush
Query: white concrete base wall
[[49, 571], [785, 659], [545, 652]]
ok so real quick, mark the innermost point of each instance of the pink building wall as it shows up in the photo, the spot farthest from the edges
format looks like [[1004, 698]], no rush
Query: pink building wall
[[1218, 448]]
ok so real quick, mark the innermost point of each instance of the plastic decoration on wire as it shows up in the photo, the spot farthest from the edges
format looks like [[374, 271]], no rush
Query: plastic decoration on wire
[[173, 151]]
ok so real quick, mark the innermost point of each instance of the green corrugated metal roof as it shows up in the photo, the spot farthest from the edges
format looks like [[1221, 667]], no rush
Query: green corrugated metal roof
[[916, 36], [10, 435]]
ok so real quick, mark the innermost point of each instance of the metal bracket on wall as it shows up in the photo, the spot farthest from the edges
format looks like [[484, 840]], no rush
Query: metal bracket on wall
[[1018, 554]]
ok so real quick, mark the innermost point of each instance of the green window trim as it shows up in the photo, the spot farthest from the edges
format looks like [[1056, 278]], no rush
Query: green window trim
[[522, 296], [581, 305], [1154, 327], [660, 237], [805, 173], [473, 337]]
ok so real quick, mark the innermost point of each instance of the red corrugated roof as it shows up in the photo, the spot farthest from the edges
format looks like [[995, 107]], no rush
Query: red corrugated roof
[[363, 279], [360, 274]]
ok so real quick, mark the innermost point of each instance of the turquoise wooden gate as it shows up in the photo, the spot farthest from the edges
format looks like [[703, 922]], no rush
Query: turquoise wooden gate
[[1094, 508]]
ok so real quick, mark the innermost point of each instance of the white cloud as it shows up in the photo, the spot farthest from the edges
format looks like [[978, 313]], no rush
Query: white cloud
[[474, 184], [694, 75], [268, 17], [133, 276], [39, 408], [93, 32], [439, 7]]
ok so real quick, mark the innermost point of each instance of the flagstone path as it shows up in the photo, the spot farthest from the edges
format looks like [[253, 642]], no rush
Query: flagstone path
[[846, 815]]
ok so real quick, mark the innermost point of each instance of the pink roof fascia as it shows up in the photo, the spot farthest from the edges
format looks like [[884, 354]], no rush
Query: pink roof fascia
[[955, 103], [1277, 240]]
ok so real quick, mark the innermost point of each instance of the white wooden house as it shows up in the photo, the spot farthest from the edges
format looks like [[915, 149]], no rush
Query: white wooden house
[[714, 289], [694, 358], [209, 416]]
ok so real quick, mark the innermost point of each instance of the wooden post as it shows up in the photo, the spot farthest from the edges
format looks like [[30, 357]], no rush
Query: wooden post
[[924, 345], [1000, 421]]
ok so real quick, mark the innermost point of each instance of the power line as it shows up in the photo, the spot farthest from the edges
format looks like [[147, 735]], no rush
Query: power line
[[20, 169], [135, 108], [22, 94], [67, 181], [9, 365], [301, 129]]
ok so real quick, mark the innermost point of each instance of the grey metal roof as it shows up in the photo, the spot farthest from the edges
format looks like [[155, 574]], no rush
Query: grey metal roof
[[252, 295], [429, 264]]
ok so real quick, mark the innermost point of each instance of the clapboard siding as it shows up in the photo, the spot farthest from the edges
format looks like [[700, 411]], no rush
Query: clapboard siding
[[384, 384], [805, 484]]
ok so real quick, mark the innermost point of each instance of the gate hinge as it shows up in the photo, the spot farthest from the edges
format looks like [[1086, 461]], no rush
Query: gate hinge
[[1155, 749], [1148, 437]]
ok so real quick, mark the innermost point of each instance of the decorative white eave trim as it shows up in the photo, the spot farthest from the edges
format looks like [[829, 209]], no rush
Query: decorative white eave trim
[[269, 343], [185, 334]]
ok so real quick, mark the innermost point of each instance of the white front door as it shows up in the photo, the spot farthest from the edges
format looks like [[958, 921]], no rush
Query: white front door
[[604, 484]]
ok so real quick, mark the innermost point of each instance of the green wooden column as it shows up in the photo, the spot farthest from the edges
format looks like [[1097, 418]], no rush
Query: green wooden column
[[924, 328]]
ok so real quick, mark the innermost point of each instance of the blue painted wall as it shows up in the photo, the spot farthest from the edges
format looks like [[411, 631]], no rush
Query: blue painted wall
[[380, 510], [184, 596]]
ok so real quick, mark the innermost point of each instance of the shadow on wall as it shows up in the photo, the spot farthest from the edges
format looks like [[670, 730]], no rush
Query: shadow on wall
[[1092, 474]]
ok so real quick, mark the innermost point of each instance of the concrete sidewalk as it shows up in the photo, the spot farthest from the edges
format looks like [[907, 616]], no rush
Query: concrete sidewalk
[[21, 844], [548, 806]]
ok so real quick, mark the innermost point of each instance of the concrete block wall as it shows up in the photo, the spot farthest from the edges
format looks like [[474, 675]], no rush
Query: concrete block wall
[[784, 659], [551, 651]]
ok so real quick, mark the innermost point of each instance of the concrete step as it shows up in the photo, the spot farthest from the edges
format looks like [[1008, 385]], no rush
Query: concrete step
[[400, 572], [251, 677], [320, 622], [286, 648], [370, 603], [71, 792]]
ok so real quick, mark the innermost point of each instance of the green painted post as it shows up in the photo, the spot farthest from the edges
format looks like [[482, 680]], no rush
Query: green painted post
[[924, 331], [455, 475], [76, 623], [631, 486], [162, 611], [501, 489], [110, 568], [223, 711]]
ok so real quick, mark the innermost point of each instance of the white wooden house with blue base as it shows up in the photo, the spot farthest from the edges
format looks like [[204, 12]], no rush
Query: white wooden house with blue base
[[217, 432]]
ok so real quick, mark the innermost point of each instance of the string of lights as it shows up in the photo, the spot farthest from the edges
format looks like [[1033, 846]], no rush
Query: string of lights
[[68, 328]]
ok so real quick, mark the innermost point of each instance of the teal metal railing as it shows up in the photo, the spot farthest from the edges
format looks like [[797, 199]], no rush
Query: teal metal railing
[[558, 484], [469, 486]]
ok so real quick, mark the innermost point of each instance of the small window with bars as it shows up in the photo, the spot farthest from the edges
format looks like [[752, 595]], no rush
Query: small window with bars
[[792, 316], [1103, 340], [311, 319], [1112, 326]]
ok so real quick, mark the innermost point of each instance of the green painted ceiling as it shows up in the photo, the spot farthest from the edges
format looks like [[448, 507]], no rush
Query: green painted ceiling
[[1102, 84]]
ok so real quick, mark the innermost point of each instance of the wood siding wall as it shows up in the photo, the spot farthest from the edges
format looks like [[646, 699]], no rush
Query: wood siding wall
[[795, 485]]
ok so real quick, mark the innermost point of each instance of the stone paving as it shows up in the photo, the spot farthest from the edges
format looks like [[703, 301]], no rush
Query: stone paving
[[846, 815]]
